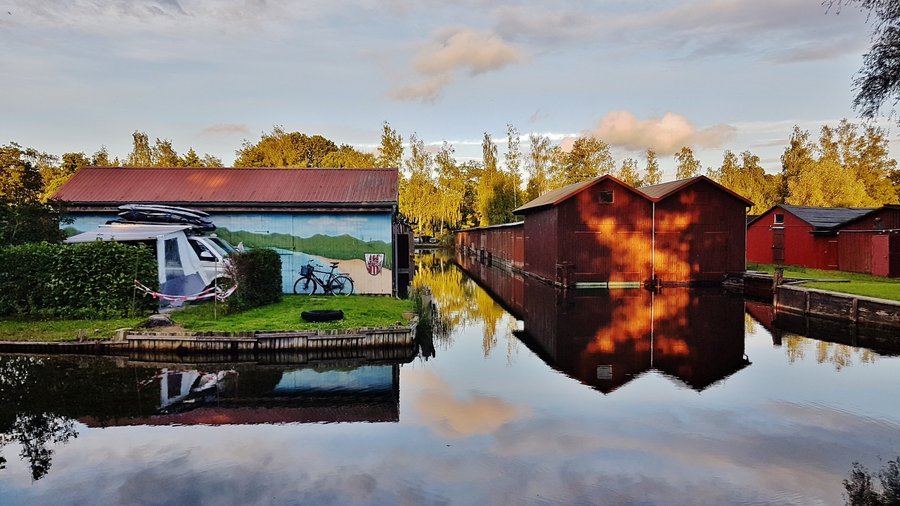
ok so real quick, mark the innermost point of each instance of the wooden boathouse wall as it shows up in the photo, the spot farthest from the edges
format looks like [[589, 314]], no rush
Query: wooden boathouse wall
[[699, 235], [503, 245], [599, 241], [604, 232]]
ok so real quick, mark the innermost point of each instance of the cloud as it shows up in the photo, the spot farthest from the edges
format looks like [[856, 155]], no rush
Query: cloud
[[452, 51], [428, 90], [783, 31], [450, 416], [665, 135], [465, 48], [226, 129]]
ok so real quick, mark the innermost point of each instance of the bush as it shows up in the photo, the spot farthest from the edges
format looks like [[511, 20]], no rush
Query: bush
[[92, 280], [258, 276]]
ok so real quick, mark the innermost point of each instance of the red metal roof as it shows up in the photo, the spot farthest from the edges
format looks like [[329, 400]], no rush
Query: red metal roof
[[108, 185], [554, 197], [659, 192], [653, 193]]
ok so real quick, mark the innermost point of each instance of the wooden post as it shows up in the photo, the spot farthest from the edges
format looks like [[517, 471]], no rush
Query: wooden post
[[777, 280]]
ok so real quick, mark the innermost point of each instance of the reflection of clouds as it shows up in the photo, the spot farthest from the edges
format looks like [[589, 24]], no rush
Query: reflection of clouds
[[779, 453], [454, 417]]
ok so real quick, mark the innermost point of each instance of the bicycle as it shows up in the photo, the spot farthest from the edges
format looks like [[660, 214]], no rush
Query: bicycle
[[333, 284]]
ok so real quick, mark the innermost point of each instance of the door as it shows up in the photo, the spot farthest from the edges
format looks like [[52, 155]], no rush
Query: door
[[778, 246]]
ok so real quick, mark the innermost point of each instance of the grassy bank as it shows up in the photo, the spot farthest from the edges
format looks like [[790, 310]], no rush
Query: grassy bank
[[62, 330], [857, 284], [359, 311]]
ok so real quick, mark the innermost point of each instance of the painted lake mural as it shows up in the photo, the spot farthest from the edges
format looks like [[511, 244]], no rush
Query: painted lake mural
[[359, 242]]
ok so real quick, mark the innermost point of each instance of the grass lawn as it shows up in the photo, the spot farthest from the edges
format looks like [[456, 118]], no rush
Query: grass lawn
[[859, 284], [359, 311], [62, 330]]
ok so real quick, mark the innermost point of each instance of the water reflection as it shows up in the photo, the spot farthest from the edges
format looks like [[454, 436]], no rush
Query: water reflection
[[606, 338], [43, 399]]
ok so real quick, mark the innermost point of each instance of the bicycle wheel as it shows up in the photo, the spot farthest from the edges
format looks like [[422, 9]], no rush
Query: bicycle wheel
[[342, 285], [304, 286]]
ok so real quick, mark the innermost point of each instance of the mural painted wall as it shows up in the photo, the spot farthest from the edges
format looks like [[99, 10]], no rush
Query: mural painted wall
[[359, 242]]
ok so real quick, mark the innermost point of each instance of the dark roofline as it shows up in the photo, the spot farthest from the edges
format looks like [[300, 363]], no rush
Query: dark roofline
[[129, 167], [491, 227], [690, 182], [575, 191], [819, 230]]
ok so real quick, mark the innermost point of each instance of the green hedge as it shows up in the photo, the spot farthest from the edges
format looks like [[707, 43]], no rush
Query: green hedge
[[75, 281], [258, 276]]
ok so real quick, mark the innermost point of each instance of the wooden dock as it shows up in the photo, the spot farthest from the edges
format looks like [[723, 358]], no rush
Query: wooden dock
[[837, 306], [322, 344], [265, 342]]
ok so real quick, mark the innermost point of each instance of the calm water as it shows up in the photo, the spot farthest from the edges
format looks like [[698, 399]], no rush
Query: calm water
[[524, 395]]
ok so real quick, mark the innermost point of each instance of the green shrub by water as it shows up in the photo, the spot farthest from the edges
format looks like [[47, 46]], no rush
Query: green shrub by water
[[258, 276], [75, 281]]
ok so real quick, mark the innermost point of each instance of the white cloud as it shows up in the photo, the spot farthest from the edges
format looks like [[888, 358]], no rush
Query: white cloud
[[427, 90], [226, 129], [665, 135], [452, 51]]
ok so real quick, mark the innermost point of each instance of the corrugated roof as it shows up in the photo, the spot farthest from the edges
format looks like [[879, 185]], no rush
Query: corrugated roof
[[654, 193], [826, 217], [103, 185], [660, 191], [554, 197]]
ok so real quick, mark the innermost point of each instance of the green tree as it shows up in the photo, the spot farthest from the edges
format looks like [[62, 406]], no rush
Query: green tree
[[513, 161], [653, 174], [23, 215], [141, 154], [211, 161], [190, 159], [101, 158], [164, 155], [878, 79], [539, 165], [588, 158], [57, 176], [687, 166], [451, 186], [487, 180], [418, 194], [284, 149], [347, 156], [390, 152], [628, 173]]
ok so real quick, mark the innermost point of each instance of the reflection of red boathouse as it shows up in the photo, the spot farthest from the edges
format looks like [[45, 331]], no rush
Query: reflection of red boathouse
[[606, 338], [603, 231]]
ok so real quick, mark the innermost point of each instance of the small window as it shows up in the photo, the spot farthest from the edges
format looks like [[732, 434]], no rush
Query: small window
[[605, 197], [173, 259], [779, 219]]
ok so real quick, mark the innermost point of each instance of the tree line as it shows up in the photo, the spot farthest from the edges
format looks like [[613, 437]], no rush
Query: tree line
[[847, 166]]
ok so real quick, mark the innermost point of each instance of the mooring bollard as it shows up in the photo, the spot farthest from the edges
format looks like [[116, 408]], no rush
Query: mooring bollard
[[777, 280]]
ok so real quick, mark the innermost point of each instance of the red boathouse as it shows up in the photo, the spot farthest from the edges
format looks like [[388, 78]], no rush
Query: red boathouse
[[603, 232], [835, 238]]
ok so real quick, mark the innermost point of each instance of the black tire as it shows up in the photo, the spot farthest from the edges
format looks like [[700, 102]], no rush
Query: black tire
[[322, 315], [342, 285], [301, 286]]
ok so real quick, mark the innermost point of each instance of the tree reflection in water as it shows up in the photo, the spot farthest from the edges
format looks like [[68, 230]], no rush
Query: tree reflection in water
[[36, 431]]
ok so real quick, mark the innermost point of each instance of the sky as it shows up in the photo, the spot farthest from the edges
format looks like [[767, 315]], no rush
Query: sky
[[711, 74]]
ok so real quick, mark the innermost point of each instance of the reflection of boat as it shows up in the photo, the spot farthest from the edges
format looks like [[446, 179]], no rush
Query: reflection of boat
[[606, 338]]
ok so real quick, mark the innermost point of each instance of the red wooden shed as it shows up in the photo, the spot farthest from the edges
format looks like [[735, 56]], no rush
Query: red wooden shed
[[603, 232], [837, 238]]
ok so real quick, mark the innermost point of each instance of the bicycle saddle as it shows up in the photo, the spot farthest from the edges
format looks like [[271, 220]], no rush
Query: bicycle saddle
[[334, 264]]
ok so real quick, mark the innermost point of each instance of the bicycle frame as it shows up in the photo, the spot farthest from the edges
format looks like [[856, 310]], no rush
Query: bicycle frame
[[334, 281]]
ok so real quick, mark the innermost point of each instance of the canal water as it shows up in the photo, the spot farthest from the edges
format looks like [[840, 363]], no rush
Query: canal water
[[516, 394]]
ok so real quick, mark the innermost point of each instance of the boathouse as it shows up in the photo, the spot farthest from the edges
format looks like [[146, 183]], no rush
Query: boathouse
[[862, 240], [604, 233], [344, 215]]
